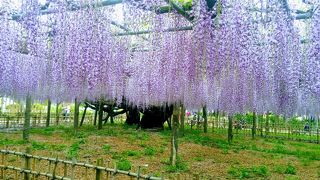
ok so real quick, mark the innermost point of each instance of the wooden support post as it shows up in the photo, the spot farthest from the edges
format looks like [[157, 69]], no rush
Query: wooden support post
[[260, 121], [205, 118], [83, 115], [48, 113], [76, 114], [212, 121], [267, 124], [310, 130], [254, 125], [217, 119], [318, 121], [174, 137], [95, 117], [98, 171], [27, 163], [57, 114], [182, 118], [26, 125], [100, 114], [230, 135], [198, 119]]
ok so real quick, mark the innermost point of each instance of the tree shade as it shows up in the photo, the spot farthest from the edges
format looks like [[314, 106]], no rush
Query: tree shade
[[234, 59]]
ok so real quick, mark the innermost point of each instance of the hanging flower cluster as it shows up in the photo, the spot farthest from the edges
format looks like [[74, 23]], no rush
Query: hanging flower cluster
[[233, 59]]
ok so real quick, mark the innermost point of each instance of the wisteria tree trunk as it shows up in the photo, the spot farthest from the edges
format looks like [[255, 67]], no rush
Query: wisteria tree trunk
[[205, 119], [26, 125], [174, 137], [154, 117], [48, 113], [76, 114], [133, 116]]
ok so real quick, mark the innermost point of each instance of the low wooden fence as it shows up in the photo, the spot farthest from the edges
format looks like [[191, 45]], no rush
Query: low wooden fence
[[305, 131], [37, 120], [37, 167]]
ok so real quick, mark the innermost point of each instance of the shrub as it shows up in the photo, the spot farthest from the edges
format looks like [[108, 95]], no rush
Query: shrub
[[73, 150], [149, 151], [180, 167], [38, 146], [132, 153], [106, 148], [290, 169], [124, 164], [251, 172]]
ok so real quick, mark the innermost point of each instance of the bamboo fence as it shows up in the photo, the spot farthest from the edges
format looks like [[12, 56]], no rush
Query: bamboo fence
[[33, 167]]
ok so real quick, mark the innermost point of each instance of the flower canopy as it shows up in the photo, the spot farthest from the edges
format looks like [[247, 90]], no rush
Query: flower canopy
[[234, 56]]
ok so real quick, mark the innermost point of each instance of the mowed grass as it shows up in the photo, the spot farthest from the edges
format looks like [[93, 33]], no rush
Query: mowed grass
[[208, 155]]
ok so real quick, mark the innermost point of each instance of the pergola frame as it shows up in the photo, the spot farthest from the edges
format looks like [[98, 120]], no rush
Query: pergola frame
[[183, 11]]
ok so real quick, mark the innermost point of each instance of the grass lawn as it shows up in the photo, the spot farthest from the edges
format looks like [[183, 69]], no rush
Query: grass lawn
[[208, 155]]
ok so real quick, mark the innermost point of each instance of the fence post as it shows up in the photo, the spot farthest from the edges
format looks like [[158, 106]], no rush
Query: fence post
[[98, 171], [72, 167], [2, 163], [27, 163], [65, 170], [55, 168], [197, 176], [115, 171], [34, 167], [138, 174], [139, 170]]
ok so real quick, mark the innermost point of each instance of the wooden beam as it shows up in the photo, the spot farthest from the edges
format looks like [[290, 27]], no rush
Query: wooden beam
[[180, 10], [150, 31]]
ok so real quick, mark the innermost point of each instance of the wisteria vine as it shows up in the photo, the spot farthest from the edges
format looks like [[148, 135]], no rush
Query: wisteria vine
[[233, 60]]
